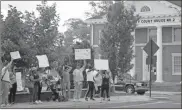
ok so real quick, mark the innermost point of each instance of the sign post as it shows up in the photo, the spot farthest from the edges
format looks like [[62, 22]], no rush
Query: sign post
[[151, 48]]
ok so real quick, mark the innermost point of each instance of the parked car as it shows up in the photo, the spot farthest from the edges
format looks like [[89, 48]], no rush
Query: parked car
[[128, 84]]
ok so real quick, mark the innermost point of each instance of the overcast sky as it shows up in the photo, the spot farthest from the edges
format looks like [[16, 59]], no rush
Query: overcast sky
[[66, 9]]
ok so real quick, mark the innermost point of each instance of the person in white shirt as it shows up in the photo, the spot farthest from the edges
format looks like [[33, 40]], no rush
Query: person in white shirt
[[78, 80], [90, 80], [5, 82]]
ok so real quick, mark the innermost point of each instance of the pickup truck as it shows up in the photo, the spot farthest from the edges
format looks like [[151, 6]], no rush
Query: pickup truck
[[128, 84]]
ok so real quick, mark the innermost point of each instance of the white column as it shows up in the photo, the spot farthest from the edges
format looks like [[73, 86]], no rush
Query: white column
[[92, 34], [159, 55], [132, 71]]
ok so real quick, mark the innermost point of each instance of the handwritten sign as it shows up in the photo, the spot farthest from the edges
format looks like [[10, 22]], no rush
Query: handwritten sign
[[101, 64], [43, 61], [19, 81], [81, 54], [15, 55]]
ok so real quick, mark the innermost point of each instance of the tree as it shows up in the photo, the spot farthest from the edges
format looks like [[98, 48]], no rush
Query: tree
[[77, 29], [32, 35], [13, 38], [43, 35], [117, 41], [98, 8]]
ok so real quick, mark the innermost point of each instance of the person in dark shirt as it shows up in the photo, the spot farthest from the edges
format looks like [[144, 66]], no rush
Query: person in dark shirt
[[105, 85]]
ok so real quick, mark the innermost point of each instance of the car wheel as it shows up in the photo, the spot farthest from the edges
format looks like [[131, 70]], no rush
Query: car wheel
[[130, 89], [141, 92]]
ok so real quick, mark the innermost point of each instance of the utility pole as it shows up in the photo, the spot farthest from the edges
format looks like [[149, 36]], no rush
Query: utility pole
[[0, 55]]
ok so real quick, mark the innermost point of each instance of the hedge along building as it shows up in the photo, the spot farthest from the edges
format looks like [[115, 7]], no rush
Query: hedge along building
[[160, 20]]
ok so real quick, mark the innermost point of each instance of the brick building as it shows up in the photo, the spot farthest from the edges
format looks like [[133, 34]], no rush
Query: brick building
[[160, 20]]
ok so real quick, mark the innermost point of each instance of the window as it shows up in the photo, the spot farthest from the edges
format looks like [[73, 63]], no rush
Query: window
[[145, 9], [177, 34], [176, 63], [152, 33]]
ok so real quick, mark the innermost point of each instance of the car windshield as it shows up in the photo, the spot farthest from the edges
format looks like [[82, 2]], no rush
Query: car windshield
[[128, 76]]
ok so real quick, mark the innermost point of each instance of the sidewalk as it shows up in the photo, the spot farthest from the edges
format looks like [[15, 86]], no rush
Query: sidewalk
[[163, 93], [71, 104]]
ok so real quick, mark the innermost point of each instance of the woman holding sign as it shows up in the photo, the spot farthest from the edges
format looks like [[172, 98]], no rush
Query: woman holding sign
[[78, 80], [106, 78]]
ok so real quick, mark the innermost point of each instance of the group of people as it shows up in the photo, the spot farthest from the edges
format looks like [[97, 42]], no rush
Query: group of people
[[98, 82]]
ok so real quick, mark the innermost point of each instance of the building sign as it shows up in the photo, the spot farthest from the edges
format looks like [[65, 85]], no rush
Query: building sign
[[158, 20]]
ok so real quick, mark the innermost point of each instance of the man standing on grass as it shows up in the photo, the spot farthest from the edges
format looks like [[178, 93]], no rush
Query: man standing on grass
[[78, 80]]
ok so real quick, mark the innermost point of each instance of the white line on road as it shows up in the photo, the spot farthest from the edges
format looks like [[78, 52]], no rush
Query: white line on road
[[137, 105]]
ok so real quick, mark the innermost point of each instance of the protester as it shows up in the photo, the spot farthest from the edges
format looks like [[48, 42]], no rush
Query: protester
[[66, 81], [13, 85], [98, 83], [36, 80], [78, 80], [40, 73], [105, 85], [5, 82], [90, 80], [29, 83]]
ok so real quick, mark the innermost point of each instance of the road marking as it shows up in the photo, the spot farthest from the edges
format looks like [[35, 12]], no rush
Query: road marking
[[137, 105], [175, 103]]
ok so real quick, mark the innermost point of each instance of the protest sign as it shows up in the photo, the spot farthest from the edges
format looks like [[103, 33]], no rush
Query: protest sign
[[43, 61], [19, 81], [81, 54], [15, 55], [101, 64]]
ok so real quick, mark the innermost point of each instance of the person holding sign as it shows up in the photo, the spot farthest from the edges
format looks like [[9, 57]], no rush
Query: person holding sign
[[5, 82], [66, 81], [106, 78], [78, 80], [90, 80]]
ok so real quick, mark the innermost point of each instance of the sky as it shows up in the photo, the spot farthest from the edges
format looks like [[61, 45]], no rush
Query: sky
[[66, 9]]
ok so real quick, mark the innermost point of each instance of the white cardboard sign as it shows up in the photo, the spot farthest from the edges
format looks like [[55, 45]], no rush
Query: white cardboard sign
[[43, 61], [19, 81], [81, 54], [15, 55], [101, 64]]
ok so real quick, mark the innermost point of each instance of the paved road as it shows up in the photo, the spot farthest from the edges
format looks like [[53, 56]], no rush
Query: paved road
[[134, 101]]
